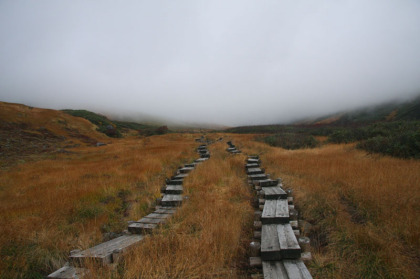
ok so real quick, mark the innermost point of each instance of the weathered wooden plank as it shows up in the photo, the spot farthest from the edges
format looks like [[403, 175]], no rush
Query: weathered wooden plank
[[203, 151], [235, 151], [69, 272], [253, 165], [289, 246], [207, 155], [255, 177], [148, 220], [279, 242], [185, 169], [231, 148], [268, 183], [174, 189], [250, 171], [102, 253], [200, 160], [174, 182], [275, 192], [296, 269], [179, 176], [171, 200], [252, 160], [255, 262], [274, 270], [270, 245], [192, 165], [139, 228], [275, 212], [166, 209]]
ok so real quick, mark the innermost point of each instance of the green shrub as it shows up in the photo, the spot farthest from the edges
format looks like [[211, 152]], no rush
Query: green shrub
[[291, 141]]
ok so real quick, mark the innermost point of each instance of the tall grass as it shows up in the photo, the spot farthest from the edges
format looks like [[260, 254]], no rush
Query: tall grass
[[208, 236], [50, 207]]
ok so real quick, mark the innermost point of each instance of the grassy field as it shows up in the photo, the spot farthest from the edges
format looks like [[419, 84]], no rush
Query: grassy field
[[72, 201], [59, 192], [364, 209]]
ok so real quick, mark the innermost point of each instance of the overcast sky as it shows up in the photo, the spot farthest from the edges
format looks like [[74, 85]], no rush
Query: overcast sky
[[225, 62]]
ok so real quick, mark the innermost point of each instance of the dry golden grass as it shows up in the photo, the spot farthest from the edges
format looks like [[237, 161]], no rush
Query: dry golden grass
[[208, 236], [365, 209], [52, 206]]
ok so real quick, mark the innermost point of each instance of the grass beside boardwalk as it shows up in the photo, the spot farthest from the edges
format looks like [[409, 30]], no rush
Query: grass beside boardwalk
[[364, 209], [72, 200], [209, 235]]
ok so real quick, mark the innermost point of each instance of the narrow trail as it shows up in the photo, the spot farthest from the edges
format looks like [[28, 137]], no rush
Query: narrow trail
[[276, 248], [110, 252]]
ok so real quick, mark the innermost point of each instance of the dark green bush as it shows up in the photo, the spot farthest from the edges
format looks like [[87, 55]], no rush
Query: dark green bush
[[404, 145], [291, 140]]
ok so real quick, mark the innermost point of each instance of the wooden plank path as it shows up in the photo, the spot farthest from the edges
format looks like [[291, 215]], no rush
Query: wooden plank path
[[278, 242], [295, 269], [104, 253], [279, 250], [273, 193], [275, 212], [109, 252], [251, 171]]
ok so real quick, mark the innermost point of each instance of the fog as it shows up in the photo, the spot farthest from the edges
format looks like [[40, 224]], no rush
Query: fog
[[222, 62]]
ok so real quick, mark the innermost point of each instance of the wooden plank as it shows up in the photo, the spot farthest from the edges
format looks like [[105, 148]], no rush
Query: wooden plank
[[172, 200], [253, 165], [258, 176], [235, 151], [69, 272], [102, 253], [186, 169], [252, 160], [179, 176], [275, 212], [275, 192], [231, 149], [173, 182], [296, 269], [167, 210], [255, 262], [192, 165], [268, 183], [174, 189], [270, 245], [274, 270], [279, 242], [139, 228], [203, 151], [147, 220], [200, 160], [289, 246], [254, 171]]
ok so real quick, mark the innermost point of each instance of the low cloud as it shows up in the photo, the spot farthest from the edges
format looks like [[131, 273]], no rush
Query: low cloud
[[222, 62]]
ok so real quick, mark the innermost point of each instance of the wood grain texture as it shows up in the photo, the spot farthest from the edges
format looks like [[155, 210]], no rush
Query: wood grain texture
[[275, 212], [275, 192], [102, 253]]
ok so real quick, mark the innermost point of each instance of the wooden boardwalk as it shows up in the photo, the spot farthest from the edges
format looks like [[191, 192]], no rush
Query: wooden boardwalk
[[280, 255], [109, 252]]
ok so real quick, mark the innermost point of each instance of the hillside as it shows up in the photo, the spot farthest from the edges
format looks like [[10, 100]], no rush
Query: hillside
[[392, 111], [390, 129], [114, 128], [26, 131]]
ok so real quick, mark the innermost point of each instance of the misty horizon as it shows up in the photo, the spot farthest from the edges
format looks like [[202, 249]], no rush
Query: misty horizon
[[231, 64]]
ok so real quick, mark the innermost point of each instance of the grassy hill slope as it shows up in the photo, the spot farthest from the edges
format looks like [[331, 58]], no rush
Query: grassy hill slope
[[26, 131]]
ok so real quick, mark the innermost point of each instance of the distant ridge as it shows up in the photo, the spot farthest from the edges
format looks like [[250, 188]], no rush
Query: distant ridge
[[390, 111]]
